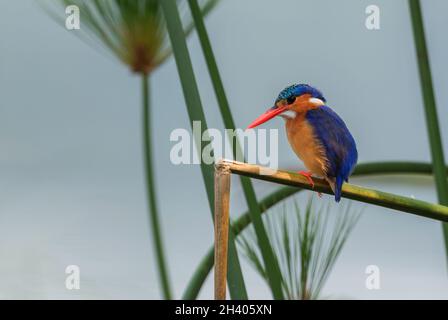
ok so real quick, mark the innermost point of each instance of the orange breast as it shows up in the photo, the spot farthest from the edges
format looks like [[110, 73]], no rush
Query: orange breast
[[302, 140]]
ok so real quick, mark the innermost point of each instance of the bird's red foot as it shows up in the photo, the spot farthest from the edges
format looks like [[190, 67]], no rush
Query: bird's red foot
[[308, 175]]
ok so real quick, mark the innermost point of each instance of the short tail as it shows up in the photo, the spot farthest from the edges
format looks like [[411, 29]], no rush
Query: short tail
[[336, 186]]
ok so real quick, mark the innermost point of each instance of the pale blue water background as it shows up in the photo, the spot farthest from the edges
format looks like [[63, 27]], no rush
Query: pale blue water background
[[71, 182]]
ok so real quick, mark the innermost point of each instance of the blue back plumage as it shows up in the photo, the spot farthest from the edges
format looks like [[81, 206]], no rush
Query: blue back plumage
[[338, 143]]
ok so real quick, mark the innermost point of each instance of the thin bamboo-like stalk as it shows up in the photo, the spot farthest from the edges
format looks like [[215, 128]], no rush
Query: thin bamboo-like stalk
[[432, 122], [196, 113], [272, 268], [222, 203], [151, 191]]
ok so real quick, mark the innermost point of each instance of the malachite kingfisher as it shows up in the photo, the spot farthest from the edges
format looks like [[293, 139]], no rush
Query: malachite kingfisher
[[318, 136]]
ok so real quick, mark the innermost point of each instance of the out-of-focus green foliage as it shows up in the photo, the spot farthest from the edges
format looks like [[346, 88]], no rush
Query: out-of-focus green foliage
[[133, 30], [273, 271], [306, 245], [195, 111], [432, 120]]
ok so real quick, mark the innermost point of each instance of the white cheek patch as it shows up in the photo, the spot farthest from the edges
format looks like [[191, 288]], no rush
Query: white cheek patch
[[288, 114], [316, 101]]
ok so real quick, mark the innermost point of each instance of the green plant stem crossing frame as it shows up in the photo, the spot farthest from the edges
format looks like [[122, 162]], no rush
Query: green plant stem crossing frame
[[222, 198], [272, 268], [196, 113], [363, 169], [432, 123], [151, 191], [349, 191]]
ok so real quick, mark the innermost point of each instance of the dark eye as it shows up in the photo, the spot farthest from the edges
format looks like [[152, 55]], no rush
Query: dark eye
[[291, 100]]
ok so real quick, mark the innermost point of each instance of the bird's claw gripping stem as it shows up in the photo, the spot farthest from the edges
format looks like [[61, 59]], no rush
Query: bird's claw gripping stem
[[308, 175]]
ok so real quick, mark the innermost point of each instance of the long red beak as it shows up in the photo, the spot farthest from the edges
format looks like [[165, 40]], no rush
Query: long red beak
[[268, 115]]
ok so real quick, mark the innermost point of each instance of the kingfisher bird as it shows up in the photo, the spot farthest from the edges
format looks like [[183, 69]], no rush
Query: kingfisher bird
[[318, 136]]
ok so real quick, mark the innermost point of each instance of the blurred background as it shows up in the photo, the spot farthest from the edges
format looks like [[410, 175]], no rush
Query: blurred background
[[72, 186]]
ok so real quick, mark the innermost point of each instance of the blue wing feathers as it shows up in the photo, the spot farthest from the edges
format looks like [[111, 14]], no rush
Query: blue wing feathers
[[338, 143]]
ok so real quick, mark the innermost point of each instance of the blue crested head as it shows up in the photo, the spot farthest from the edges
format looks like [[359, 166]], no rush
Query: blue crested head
[[297, 90], [297, 98]]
